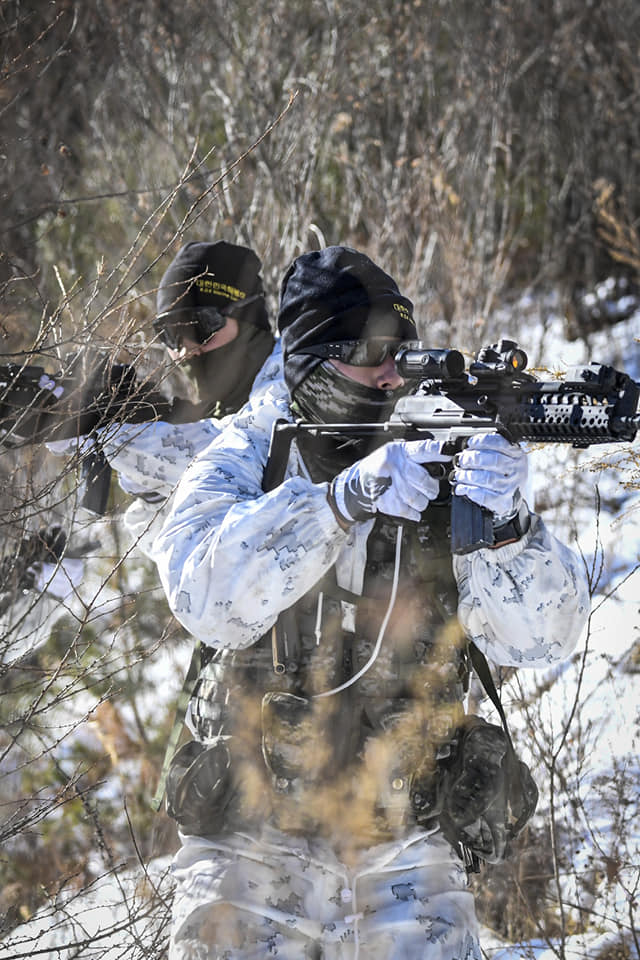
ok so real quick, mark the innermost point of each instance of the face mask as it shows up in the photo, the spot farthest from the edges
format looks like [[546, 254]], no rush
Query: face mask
[[328, 396], [224, 376]]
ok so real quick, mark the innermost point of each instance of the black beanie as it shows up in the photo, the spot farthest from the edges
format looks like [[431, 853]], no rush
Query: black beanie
[[221, 275], [332, 295]]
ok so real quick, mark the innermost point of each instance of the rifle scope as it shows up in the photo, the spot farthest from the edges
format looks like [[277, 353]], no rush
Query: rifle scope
[[416, 363]]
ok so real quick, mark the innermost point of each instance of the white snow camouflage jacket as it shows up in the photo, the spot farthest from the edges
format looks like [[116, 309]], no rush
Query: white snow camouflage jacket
[[150, 458], [231, 557]]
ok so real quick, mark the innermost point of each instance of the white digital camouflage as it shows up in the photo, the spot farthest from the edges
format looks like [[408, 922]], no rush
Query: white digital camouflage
[[284, 541], [231, 558], [288, 898], [150, 458]]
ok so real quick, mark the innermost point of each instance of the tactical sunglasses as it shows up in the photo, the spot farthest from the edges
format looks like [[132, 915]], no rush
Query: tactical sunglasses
[[201, 324], [357, 353]]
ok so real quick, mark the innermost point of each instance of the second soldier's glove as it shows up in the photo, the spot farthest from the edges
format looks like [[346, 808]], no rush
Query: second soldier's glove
[[391, 480]]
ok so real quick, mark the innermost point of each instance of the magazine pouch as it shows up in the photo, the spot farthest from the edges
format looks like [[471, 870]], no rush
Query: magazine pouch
[[488, 794], [199, 787], [289, 733]]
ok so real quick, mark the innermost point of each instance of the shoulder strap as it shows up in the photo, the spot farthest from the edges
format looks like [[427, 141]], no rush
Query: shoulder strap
[[178, 723], [523, 796], [481, 667]]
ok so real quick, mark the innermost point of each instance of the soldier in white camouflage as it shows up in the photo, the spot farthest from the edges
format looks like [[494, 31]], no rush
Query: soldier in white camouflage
[[311, 800], [212, 319]]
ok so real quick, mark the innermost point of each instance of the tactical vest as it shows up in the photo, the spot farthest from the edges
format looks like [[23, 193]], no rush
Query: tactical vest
[[310, 750]]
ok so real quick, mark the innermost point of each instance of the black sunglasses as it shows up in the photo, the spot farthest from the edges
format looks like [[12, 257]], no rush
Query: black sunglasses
[[201, 324], [357, 353]]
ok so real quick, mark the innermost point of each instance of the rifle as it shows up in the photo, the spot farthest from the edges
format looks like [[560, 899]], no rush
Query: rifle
[[593, 404], [37, 407]]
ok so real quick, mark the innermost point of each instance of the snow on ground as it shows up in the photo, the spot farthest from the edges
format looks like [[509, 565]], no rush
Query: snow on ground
[[591, 708], [595, 947], [123, 916]]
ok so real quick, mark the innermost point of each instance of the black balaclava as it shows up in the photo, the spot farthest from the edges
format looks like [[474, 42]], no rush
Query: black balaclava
[[224, 276], [328, 296], [223, 377]]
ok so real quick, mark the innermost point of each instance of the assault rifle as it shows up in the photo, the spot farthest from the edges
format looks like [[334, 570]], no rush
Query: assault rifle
[[592, 404], [37, 407]]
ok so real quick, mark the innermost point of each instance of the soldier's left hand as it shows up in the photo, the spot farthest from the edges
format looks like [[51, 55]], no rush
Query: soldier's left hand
[[491, 472]]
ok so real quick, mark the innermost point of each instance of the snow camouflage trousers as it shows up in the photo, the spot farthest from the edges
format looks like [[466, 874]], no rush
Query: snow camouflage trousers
[[244, 899]]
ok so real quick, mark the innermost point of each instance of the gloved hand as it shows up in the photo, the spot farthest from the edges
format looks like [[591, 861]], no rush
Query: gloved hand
[[390, 480], [52, 542], [491, 472]]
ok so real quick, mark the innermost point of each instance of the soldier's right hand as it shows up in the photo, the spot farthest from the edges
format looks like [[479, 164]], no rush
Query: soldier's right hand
[[391, 480]]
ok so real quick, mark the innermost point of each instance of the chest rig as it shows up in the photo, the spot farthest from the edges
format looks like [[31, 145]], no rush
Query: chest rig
[[332, 711]]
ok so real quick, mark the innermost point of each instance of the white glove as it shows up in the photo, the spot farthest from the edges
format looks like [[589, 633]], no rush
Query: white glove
[[491, 472], [390, 480]]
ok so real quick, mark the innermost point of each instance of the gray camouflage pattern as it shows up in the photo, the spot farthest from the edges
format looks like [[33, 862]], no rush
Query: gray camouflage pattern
[[150, 458], [231, 559], [219, 511], [248, 900]]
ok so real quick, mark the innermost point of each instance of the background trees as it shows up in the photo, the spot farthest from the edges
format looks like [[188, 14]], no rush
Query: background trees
[[466, 142], [478, 151]]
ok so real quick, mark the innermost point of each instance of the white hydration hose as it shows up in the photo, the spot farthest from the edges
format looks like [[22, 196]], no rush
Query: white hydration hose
[[383, 626]]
